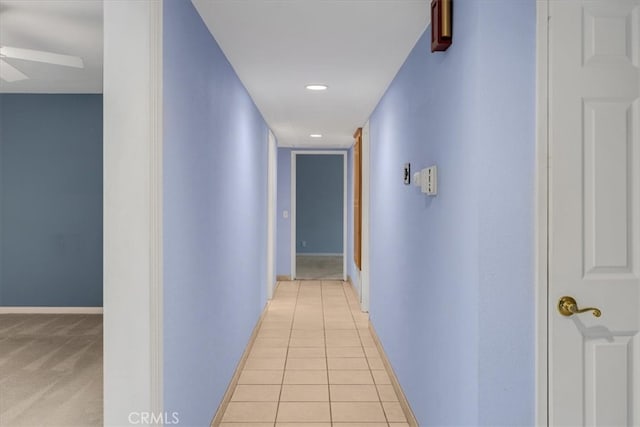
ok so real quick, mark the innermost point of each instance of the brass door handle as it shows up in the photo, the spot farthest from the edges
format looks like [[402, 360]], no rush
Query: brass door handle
[[567, 306]]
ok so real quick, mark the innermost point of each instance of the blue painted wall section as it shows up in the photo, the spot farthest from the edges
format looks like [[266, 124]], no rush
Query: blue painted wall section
[[283, 225], [506, 214], [320, 201], [442, 267], [51, 200], [215, 201]]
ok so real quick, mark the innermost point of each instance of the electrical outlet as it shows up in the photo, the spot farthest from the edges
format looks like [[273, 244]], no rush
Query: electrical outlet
[[304, 243]]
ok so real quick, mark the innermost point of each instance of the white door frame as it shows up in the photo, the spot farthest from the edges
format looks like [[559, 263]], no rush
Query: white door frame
[[272, 182], [133, 261], [294, 154], [541, 212], [365, 150]]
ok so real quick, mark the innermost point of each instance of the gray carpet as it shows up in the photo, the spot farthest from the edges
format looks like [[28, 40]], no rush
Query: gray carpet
[[50, 370], [318, 267]]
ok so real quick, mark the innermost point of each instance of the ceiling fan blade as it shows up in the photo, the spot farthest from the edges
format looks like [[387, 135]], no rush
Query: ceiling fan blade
[[9, 73], [41, 56]]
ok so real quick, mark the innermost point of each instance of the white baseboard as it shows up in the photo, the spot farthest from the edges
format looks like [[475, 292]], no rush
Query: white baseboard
[[51, 310]]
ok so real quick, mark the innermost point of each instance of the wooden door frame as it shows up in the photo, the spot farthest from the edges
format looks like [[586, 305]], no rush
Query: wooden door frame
[[541, 230], [357, 200], [294, 154]]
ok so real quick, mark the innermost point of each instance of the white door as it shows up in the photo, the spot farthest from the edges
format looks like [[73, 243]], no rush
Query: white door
[[594, 211]]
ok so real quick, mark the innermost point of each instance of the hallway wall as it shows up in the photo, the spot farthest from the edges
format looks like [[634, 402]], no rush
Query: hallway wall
[[51, 200], [215, 202], [442, 267]]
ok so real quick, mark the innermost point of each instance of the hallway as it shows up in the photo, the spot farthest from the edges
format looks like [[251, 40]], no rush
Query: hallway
[[314, 360], [191, 179]]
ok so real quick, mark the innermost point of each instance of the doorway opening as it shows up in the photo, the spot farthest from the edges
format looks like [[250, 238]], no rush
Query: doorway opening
[[319, 215]]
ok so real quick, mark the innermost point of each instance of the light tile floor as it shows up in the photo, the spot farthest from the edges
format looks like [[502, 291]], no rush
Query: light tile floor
[[314, 363]]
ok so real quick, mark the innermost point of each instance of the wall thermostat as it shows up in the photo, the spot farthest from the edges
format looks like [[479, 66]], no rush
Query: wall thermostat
[[429, 181]]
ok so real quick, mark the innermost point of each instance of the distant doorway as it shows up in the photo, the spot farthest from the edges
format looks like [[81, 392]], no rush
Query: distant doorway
[[318, 215]]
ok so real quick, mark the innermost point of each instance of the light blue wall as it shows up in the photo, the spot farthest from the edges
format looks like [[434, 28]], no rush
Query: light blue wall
[[215, 201], [506, 214], [443, 267], [319, 200], [283, 231], [51, 200]]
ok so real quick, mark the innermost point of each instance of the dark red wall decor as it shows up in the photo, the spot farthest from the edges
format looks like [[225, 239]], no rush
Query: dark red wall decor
[[441, 24]]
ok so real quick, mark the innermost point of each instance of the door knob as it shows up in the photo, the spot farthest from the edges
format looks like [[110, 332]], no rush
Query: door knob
[[567, 306]]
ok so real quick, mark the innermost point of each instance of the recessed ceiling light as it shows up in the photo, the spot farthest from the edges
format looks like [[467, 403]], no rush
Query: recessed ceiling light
[[317, 87], [316, 135]]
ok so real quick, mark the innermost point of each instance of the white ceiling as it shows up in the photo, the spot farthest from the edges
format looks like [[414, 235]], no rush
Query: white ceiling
[[69, 27], [275, 46], [278, 46]]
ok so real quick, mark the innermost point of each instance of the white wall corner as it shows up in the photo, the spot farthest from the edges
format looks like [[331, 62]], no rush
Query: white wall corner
[[132, 210], [272, 206]]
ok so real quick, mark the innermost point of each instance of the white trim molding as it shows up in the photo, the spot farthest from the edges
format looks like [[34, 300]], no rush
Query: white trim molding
[[541, 214], [292, 209], [156, 265], [51, 310], [342, 153], [133, 260], [272, 207], [345, 219]]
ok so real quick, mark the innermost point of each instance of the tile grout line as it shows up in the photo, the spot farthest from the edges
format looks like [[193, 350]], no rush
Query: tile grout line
[[286, 356], [326, 297], [326, 354]]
